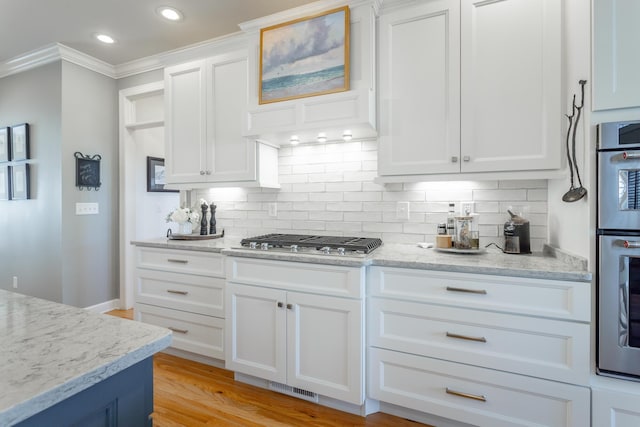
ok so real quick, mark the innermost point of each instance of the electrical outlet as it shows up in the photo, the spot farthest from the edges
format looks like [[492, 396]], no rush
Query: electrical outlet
[[402, 210], [15, 282], [273, 209], [87, 209], [467, 207]]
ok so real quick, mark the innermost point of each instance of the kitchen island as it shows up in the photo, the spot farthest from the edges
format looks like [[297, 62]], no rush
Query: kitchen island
[[63, 365]]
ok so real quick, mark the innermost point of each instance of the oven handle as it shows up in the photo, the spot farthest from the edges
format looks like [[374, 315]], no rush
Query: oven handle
[[630, 156], [630, 244]]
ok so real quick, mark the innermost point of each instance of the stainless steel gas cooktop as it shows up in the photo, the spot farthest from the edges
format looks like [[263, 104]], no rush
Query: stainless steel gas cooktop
[[304, 243]]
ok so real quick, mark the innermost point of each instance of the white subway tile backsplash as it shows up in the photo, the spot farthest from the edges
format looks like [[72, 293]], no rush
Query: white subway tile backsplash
[[329, 189]]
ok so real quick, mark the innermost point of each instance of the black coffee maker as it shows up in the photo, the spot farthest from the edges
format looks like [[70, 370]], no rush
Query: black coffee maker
[[516, 235]]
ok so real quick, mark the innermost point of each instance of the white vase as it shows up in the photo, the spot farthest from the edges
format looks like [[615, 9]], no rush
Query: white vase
[[185, 228]]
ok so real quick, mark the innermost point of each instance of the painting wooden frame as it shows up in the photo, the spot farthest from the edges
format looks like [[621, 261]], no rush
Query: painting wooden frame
[[5, 144], [20, 142], [5, 182], [20, 182], [290, 53], [156, 176]]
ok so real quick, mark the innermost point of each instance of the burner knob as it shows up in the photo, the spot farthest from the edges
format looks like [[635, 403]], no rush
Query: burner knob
[[264, 246], [253, 245], [326, 250], [294, 248], [340, 251]]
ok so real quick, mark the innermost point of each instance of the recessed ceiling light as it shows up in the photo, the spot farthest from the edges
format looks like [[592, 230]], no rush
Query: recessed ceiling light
[[169, 13], [105, 38]]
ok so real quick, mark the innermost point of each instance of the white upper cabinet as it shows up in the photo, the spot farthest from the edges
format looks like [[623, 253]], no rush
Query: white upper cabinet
[[332, 113], [470, 86], [206, 104], [420, 89], [615, 54]]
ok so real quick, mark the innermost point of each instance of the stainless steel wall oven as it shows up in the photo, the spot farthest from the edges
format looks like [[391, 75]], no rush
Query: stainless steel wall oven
[[618, 249]]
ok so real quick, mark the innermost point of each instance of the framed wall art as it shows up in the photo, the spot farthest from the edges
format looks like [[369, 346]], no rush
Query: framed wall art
[[20, 182], [5, 145], [156, 176], [87, 171], [5, 183], [20, 142], [305, 57]]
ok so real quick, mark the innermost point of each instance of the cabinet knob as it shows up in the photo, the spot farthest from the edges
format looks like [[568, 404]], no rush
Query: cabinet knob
[[208, 172], [466, 158], [289, 306], [201, 172], [280, 305], [454, 159]]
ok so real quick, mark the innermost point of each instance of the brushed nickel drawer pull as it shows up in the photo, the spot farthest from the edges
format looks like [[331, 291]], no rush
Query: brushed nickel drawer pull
[[466, 337], [466, 395], [179, 261], [180, 331], [469, 291], [171, 291]]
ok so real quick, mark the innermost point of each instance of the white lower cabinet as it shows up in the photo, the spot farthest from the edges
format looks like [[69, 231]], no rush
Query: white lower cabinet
[[478, 396], [301, 339], [183, 291], [459, 346], [616, 408]]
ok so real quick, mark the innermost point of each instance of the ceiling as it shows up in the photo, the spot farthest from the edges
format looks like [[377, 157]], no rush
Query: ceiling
[[28, 25]]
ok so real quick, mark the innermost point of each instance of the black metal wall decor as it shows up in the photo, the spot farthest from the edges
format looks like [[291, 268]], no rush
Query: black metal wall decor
[[87, 171]]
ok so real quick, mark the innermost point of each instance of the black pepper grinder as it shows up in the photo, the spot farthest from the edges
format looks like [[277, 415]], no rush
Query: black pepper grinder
[[203, 220], [212, 221]]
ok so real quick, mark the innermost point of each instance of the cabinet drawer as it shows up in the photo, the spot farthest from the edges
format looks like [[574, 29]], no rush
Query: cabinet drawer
[[547, 298], [477, 396], [545, 348], [196, 333], [331, 280], [181, 261], [197, 294]]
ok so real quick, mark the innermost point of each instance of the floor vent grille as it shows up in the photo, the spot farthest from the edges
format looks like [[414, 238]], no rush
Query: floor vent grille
[[293, 391]]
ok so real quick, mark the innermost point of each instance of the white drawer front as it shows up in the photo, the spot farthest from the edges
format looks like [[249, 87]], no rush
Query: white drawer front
[[198, 334], [421, 383], [197, 294], [181, 261], [545, 348], [538, 297], [318, 278]]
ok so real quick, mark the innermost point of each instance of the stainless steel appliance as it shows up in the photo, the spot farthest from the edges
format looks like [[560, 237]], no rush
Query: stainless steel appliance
[[313, 244], [517, 238], [618, 250]]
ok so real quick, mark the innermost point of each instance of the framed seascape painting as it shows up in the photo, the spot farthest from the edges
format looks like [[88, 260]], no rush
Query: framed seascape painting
[[156, 176], [5, 144], [305, 57]]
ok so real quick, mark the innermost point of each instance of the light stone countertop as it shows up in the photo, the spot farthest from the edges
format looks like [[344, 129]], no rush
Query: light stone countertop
[[51, 351], [552, 264]]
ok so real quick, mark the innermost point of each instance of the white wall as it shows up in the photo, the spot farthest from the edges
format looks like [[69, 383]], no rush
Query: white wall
[[329, 189]]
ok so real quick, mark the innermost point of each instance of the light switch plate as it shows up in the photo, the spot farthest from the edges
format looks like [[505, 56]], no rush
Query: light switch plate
[[402, 210], [273, 209], [87, 209]]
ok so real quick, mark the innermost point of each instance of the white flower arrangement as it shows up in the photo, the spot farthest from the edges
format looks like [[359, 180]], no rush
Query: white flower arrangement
[[182, 215]]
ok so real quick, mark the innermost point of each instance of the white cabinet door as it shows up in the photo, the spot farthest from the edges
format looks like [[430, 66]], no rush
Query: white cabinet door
[[230, 157], [615, 408], [256, 331], [185, 124], [325, 346], [511, 108], [615, 54], [420, 89]]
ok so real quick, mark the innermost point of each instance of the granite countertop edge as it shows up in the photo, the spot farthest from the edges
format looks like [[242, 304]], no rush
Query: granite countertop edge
[[552, 263]]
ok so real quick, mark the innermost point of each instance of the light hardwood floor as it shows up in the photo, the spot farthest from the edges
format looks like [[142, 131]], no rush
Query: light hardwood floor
[[188, 393]]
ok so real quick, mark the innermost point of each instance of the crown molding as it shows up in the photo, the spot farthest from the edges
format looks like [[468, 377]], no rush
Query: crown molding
[[51, 53]]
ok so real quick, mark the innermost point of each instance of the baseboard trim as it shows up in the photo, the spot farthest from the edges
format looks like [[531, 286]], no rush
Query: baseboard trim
[[103, 307]]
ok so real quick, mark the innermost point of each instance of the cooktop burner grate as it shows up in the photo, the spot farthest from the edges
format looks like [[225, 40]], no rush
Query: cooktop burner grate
[[362, 244]]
